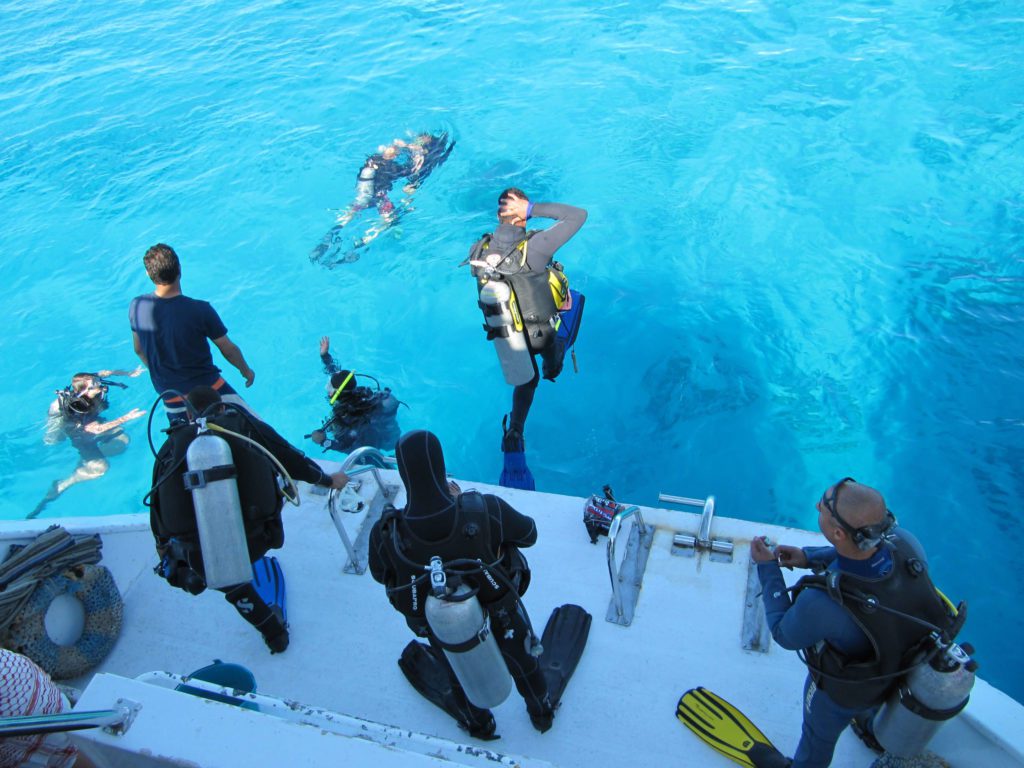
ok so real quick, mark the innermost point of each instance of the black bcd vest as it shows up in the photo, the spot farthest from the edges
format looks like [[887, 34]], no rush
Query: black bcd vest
[[469, 538], [895, 641]]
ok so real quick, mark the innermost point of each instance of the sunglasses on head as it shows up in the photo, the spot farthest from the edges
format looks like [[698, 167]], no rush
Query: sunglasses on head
[[866, 536]]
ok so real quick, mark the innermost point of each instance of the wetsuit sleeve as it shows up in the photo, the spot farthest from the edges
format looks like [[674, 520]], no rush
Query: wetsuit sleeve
[[380, 567], [298, 465], [813, 617], [819, 558], [330, 367], [791, 626], [543, 245], [509, 526]]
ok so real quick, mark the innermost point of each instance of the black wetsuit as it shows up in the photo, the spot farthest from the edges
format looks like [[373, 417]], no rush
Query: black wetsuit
[[429, 515], [172, 514], [360, 416], [540, 250]]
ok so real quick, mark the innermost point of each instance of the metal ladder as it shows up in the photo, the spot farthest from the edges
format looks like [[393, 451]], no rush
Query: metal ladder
[[365, 460]]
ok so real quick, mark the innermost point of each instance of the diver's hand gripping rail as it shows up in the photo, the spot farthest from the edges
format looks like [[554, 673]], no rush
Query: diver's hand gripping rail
[[626, 583], [360, 461], [114, 721]]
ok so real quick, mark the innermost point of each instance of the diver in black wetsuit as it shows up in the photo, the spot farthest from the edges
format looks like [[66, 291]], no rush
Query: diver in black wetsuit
[[360, 415], [413, 160], [432, 518], [173, 515], [531, 287]]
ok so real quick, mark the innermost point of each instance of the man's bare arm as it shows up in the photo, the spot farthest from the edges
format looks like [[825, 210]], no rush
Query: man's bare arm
[[138, 349], [234, 355]]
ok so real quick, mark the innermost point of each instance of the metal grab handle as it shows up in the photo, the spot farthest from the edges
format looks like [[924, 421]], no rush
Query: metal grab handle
[[369, 459], [30, 725], [613, 532]]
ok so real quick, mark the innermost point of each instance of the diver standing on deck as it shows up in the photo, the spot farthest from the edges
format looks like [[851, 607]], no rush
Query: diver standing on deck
[[252, 465], [855, 650], [523, 259], [170, 332], [470, 541]]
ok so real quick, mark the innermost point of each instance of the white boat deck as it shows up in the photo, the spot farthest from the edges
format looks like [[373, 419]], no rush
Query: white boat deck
[[619, 709]]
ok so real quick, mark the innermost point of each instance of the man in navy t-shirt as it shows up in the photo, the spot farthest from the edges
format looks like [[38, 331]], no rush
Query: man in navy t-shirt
[[170, 332]]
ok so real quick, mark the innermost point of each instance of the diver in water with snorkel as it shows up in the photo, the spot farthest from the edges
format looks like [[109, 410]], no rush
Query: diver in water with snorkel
[[360, 415], [75, 414], [414, 160]]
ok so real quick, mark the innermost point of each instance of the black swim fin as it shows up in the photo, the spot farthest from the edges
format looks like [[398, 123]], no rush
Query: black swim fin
[[564, 640], [429, 673], [726, 730]]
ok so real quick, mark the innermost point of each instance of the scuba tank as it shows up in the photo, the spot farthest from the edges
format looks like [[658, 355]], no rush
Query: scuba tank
[[222, 539], [928, 695], [365, 184], [505, 327], [463, 628]]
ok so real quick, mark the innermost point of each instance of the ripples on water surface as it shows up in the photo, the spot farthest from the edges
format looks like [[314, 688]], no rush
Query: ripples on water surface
[[803, 258]]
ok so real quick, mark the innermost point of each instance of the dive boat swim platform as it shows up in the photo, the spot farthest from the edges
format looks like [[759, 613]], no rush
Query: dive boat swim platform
[[337, 693]]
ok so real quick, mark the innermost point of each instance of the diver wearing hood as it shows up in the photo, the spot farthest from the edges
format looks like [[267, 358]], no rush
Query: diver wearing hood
[[484, 534], [360, 415], [76, 414]]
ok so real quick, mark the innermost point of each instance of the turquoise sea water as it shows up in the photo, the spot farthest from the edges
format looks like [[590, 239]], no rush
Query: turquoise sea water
[[803, 259]]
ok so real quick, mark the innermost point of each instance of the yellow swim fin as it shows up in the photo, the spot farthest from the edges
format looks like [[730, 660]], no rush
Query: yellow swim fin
[[726, 730]]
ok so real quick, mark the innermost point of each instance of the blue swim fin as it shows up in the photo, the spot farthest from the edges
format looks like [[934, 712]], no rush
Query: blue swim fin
[[515, 473], [268, 581]]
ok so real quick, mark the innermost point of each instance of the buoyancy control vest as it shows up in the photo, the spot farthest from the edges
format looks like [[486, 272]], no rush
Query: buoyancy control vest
[[895, 640], [172, 512], [534, 291], [409, 555]]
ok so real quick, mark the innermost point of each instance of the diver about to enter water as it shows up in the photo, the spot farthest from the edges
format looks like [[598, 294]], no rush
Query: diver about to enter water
[[219, 483], [875, 633], [452, 567], [528, 308], [360, 415]]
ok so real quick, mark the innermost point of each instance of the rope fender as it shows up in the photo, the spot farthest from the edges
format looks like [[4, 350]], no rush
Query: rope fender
[[93, 586]]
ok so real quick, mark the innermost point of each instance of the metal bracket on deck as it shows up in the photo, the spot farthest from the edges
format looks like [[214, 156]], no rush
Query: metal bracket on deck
[[383, 495], [688, 544], [754, 635], [627, 582]]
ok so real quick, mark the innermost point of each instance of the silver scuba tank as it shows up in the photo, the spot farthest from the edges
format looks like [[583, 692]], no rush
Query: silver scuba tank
[[928, 695], [462, 621], [218, 512], [509, 342]]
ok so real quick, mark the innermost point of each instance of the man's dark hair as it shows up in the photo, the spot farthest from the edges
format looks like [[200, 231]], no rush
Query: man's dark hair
[[162, 264], [508, 193], [203, 397]]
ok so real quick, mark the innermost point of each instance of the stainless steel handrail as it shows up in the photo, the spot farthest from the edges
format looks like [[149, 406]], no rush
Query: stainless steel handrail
[[721, 549], [369, 459], [613, 532], [29, 725]]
